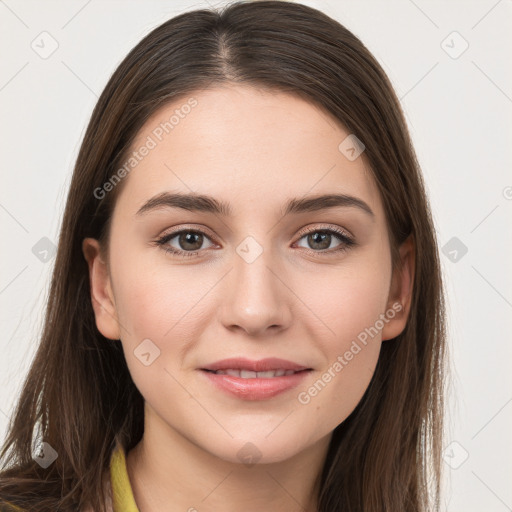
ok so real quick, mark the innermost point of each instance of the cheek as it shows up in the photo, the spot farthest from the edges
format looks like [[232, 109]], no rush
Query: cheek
[[158, 309], [350, 305], [345, 301], [148, 304], [151, 294], [333, 395], [167, 304], [350, 355]]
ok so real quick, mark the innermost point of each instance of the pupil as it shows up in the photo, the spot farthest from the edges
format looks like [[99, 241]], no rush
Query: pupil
[[187, 238], [324, 238]]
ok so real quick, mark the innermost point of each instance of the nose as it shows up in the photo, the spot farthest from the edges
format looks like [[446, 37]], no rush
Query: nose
[[254, 298]]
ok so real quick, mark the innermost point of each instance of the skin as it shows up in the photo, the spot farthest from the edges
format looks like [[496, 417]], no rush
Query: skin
[[254, 149]]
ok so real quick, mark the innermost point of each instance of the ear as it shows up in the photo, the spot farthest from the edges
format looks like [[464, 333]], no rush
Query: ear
[[101, 290], [400, 294]]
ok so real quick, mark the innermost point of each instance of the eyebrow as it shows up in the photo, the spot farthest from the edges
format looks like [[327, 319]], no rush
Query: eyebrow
[[208, 204]]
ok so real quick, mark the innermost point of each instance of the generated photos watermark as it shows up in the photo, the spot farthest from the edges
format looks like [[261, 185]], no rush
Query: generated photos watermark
[[304, 397], [152, 141]]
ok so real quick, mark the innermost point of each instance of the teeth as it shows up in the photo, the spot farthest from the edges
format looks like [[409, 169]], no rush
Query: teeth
[[269, 374], [247, 374]]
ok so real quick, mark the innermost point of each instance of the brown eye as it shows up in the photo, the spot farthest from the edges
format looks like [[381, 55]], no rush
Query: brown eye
[[320, 240], [188, 242]]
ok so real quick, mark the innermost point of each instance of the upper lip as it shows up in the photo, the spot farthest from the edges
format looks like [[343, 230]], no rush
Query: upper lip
[[263, 365]]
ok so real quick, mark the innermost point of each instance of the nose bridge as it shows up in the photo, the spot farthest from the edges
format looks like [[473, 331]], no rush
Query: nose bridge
[[254, 300]]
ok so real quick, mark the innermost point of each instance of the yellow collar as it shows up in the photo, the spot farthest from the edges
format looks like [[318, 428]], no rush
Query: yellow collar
[[122, 495]]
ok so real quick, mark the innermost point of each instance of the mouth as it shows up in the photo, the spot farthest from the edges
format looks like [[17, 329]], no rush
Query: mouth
[[249, 385], [248, 374], [244, 368], [248, 379]]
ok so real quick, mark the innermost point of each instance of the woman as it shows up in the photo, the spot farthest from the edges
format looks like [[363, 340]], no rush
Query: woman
[[291, 358]]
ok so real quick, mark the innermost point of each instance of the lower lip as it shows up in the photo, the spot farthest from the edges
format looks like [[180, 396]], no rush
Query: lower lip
[[256, 389]]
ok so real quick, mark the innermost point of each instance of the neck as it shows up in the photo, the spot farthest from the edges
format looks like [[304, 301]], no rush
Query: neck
[[170, 473]]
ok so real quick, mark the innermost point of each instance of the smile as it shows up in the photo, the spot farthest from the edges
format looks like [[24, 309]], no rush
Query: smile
[[250, 385], [247, 374]]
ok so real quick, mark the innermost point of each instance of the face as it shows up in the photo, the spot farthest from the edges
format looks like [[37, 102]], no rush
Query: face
[[185, 288]]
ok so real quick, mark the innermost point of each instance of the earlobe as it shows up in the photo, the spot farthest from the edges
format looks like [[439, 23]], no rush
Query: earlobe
[[399, 301], [102, 297]]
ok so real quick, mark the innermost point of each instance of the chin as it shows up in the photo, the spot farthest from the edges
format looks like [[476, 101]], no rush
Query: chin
[[257, 449]]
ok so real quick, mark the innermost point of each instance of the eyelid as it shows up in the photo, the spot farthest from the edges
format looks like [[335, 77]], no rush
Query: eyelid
[[187, 227], [326, 227]]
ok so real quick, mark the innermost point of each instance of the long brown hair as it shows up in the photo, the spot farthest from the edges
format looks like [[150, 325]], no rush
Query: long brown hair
[[78, 395]]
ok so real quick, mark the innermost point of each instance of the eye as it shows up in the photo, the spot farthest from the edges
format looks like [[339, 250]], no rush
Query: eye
[[189, 242], [321, 239]]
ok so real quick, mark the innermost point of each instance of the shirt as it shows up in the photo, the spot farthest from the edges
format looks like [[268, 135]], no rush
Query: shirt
[[122, 494]]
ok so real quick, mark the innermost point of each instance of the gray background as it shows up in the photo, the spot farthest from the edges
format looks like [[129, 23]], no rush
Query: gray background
[[458, 105]]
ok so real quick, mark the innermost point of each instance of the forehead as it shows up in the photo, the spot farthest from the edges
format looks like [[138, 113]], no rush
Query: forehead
[[246, 146]]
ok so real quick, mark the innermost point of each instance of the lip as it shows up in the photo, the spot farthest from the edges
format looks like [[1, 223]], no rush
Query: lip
[[256, 388], [263, 365]]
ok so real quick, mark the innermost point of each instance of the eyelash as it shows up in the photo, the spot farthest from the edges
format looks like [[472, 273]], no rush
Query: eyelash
[[347, 242]]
